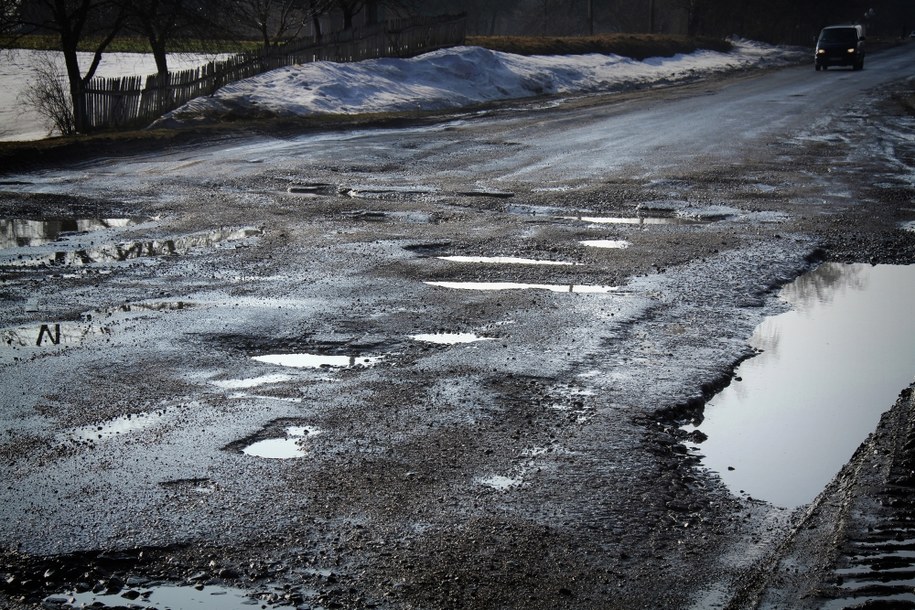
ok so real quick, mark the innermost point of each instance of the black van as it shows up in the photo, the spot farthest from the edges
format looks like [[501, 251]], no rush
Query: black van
[[840, 45]]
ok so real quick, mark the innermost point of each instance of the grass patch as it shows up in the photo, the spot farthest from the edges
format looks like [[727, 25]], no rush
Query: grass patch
[[634, 46], [129, 44]]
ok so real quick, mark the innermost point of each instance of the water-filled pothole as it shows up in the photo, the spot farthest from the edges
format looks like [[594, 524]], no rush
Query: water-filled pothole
[[611, 244], [449, 338], [52, 337], [828, 368], [319, 361], [280, 439], [504, 260], [254, 382], [487, 193], [21, 232], [291, 446], [124, 251], [161, 597], [489, 286], [387, 192], [660, 219], [312, 189], [499, 482], [125, 424]]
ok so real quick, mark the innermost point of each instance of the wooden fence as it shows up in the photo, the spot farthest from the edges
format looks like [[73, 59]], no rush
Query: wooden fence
[[136, 101]]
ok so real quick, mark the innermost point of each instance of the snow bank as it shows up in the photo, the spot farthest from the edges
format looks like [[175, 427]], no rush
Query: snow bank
[[455, 78]]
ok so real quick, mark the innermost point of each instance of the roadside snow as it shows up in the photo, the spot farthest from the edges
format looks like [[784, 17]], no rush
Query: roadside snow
[[447, 79], [455, 78]]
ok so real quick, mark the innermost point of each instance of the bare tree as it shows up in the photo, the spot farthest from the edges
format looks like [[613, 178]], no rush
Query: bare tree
[[9, 11], [75, 22], [274, 20], [162, 23]]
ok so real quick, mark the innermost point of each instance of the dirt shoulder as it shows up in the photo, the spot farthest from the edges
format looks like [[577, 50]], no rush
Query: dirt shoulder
[[852, 545]]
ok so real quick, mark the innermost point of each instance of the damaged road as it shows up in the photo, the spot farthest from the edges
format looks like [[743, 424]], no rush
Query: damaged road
[[444, 365]]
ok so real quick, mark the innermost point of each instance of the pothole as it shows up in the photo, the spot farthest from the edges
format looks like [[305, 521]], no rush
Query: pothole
[[254, 382], [387, 192], [25, 340], [610, 244], [532, 210], [199, 485], [499, 482], [24, 233], [279, 440], [198, 597], [449, 338], [826, 370], [118, 426], [319, 361], [504, 260], [312, 189], [660, 219], [487, 193], [124, 251], [495, 286], [52, 337]]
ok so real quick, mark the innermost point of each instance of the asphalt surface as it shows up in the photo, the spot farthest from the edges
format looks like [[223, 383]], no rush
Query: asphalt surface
[[540, 467]]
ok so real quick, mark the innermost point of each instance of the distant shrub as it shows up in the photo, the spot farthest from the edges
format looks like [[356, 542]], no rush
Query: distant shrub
[[47, 93]]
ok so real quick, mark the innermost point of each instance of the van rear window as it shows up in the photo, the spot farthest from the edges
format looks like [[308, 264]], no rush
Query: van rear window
[[839, 35]]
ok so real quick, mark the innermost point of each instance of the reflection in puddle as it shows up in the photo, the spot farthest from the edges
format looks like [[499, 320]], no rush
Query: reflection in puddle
[[52, 337], [46, 335], [18, 233], [503, 260], [581, 289], [113, 253], [828, 369], [449, 338], [613, 244], [162, 597], [316, 361], [290, 447]]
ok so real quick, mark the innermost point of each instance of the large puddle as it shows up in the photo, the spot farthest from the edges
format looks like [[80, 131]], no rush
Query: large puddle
[[828, 369]]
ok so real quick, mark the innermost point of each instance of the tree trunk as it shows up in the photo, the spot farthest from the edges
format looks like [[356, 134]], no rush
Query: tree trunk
[[371, 12], [160, 55], [74, 76]]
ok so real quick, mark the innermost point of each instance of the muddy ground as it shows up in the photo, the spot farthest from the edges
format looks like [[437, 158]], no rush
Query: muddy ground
[[542, 467]]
